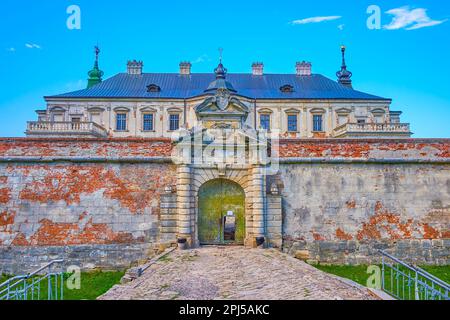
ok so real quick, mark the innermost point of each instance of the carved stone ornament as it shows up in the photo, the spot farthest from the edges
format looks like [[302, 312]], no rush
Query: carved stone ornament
[[222, 99]]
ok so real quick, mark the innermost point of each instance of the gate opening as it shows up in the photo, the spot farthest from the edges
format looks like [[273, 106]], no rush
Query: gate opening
[[229, 227], [221, 215]]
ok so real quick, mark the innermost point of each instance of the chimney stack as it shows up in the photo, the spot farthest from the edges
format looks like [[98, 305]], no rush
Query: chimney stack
[[135, 67], [303, 68], [185, 68], [258, 68]]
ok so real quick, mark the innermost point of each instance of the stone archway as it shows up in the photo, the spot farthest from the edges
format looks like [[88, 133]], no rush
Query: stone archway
[[221, 212]]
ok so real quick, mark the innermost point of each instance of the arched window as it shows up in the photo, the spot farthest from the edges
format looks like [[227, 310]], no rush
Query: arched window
[[287, 88]]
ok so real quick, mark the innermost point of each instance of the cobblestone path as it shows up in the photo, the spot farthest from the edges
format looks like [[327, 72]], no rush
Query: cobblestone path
[[235, 273]]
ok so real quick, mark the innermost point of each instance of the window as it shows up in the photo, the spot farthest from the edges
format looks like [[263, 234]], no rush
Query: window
[[292, 123], [287, 88], [148, 122], [378, 119], [58, 117], [264, 121], [96, 117], [361, 121], [174, 122], [317, 123], [76, 123], [121, 122], [342, 120], [153, 88]]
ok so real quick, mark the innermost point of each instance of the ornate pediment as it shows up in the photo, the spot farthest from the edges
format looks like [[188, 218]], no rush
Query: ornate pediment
[[222, 109]]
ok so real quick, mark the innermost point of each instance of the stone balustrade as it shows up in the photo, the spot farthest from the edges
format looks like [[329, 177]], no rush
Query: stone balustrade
[[44, 128], [364, 129]]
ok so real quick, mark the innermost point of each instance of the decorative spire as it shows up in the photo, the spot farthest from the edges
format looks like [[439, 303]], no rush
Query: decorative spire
[[344, 76], [220, 71], [95, 75], [97, 52]]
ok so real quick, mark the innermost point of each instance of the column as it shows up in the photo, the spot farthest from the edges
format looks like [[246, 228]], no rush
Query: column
[[259, 190], [184, 202]]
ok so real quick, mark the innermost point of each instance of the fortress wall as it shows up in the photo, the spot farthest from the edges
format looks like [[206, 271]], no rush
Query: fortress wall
[[344, 213], [96, 202]]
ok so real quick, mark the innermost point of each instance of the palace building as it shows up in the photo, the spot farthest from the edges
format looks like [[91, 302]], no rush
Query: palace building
[[109, 175], [153, 105]]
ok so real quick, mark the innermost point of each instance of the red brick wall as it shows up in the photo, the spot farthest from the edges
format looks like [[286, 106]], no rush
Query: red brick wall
[[73, 204], [420, 149], [85, 147]]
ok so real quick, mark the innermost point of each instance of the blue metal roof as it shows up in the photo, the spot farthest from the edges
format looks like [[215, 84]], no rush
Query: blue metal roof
[[176, 86]]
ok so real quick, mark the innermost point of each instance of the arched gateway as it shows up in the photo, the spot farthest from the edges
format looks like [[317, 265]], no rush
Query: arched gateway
[[222, 167], [221, 214]]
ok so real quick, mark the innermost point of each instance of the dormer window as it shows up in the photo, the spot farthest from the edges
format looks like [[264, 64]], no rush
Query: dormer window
[[287, 88], [153, 88]]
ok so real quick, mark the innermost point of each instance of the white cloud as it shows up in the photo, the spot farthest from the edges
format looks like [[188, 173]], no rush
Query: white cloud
[[32, 46], [316, 19], [341, 27], [202, 58], [405, 18], [11, 49]]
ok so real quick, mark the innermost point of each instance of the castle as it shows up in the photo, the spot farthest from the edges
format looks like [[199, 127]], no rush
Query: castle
[[140, 161]]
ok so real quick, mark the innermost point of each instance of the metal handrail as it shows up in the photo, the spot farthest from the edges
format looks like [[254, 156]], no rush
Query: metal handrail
[[435, 279], [48, 265], [18, 288], [428, 284]]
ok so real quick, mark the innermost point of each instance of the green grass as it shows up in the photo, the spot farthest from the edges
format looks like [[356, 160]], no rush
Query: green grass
[[93, 285], [442, 273], [354, 273], [359, 275]]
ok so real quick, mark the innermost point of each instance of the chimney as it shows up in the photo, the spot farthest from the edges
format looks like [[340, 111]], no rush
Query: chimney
[[185, 68], [258, 68], [303, 68], [135, 67]]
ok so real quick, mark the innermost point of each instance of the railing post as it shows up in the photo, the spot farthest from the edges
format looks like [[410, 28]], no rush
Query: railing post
[[416, 286], [382, 272], [49, 289], [62, 285]]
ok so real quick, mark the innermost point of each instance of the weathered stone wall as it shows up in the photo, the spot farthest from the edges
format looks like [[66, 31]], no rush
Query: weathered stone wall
[[98, 202], [374, 150], [126, 149], [344, 213], [75, 206], [274, 221]]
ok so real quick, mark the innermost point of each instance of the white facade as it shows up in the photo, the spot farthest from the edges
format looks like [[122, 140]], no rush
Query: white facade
[[334, 115], [154, 117]]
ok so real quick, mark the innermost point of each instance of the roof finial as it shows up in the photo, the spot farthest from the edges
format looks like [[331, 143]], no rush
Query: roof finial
[[95, 75], [97, 52], [220, 71], [220, 54], [343, 48], [344, 76]]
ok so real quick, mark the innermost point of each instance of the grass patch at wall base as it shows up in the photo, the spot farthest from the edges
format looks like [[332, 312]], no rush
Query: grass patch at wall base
[[93, 285]]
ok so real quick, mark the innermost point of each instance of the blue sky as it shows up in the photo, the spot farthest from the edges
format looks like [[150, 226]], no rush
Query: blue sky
[[406, 60]]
